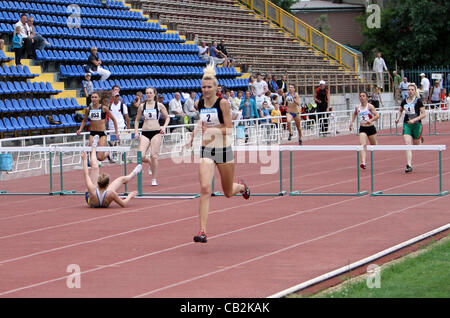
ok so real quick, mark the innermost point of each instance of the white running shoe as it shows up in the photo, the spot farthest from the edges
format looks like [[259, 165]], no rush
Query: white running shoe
[[137, 170], [150, 171], [154, 182], [95, 141]]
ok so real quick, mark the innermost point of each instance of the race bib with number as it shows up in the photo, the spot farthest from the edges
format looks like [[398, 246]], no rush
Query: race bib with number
[[149, 114], [210, 116], [364, 116], [95, 114], [410, 110]]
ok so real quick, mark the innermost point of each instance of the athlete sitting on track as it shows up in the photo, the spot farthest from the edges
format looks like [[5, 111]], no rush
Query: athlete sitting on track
[[105, 193]]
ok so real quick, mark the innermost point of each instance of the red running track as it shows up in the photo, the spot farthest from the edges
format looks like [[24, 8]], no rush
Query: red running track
[[256, 248]]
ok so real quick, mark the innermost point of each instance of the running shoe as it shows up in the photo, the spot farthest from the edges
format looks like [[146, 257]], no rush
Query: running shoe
[[300, 142], [154, 182], [150, 171], [111, 160], [363, 166], [408, 169], [246, 193], [95, 141], [422, 140], [290, 137], [201, 237]]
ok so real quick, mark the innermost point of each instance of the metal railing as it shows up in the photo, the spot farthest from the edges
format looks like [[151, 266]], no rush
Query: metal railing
[[305, 32]]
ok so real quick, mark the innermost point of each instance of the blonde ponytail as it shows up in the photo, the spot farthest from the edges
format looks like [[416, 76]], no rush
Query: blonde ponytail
[[209, 73]]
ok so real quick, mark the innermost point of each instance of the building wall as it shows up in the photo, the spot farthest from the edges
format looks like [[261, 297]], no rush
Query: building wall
[[343, 25]]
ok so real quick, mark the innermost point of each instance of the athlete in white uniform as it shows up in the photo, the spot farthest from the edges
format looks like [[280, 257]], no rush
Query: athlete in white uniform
[[367, 115]]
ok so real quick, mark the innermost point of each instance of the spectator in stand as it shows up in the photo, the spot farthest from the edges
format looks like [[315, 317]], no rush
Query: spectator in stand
[[268, 100], [248, 107], [234, 108], [250, 85], [133, 109], [223, 49], [282, 83], [17, 45], [37, 41], [22, 23], [264, 112], [176, 109], [435, 95], [189, 108], [397, 81], [120, 112], [276, 113], [88, 88], [404, 88], [322, 99], [114, 91], [259, 89], [238, 98], [269, 82], [217, 56], [203, 52], [95, 63], [378, 66], [274, 84], [219, 91], [376, 98], [424, 87]]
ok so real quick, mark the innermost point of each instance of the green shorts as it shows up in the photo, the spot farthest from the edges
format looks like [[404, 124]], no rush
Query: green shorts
[[414, 130]]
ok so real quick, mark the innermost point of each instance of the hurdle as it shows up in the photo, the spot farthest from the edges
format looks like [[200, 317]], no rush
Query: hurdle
[[260, 148], [439, 148], [56, 149], [291, 149]]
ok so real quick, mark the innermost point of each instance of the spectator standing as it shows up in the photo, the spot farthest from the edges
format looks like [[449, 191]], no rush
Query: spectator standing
[[133, 109], [435, 95], [17, 45], [397, 81], [274, 84], [189, 108], [259, 89], [404, 88], [376, 98], [282, 84], [424, 87], [322, 99], [378, 67], [22, 23], [95, 63], [248, 107], [219, 92], [276, 113], [88, 88], [176, 109], [203, 52]]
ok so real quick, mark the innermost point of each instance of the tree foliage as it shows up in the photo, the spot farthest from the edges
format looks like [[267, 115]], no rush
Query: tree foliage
[[284, 4], [411, 32]]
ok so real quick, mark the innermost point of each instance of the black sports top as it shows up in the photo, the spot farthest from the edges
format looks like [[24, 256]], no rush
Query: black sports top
[[97, 114], [212, 116], [150, 115]]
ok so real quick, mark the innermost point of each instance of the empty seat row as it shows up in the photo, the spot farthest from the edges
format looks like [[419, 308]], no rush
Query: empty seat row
[[106, 57], [31, 7], [38, 104], [165, 84], [86, 3], [4, 58], [121, 46], [27, 88], [92, 22], [35, 122], [16, 71], [148, 70], [89, 33]]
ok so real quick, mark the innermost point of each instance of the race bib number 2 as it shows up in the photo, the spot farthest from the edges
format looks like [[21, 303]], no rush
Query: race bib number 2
[[210, 116]]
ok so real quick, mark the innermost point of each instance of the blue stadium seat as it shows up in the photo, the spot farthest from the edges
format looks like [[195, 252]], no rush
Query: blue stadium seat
[[36, 122], [30, 123], [7, 123], [44, 122], [21, 122], [15, 124]]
